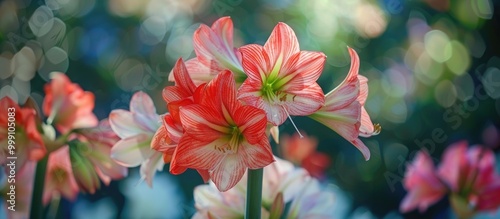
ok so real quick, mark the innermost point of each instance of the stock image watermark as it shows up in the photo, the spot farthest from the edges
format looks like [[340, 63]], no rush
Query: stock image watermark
[[11, 158]]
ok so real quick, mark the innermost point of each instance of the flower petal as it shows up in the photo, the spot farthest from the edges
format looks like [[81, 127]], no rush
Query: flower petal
[[214, 46], [202, 123], [367, 128], [282, 43], [362, 147], [252, 123], [198, 72], [306, 101], [363, 89], [424, 187], [305, 71], [149, 167], [256, 63], [197, 154], [228, 172], [344, 121], [453, 163], [141, 103], [256, 156], [132, 151], [123, 123], [161, 142]]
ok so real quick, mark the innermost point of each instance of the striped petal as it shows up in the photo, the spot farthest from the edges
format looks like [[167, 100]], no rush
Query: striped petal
[[282, 43], [141, 103], [161, 142], [197, 154], [199, 72], [202, 122], [215, 45], [344, 121], [150, 166], [257, 155], [256, 63], [228, 173], [367, 128], [363, 89], [362, 147], [252, 123], [305, 71], [306, 101], [174, 130]]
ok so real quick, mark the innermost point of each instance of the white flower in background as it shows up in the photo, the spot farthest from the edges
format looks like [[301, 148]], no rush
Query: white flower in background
[[136, 129], [303, 194]]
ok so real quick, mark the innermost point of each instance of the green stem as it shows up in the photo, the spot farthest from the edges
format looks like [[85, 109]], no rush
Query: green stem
[[254, 194], [36, 198]]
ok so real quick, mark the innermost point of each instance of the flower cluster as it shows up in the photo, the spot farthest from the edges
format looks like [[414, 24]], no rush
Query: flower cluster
[[76, 145], [467, 175], [283, 185], [226, 99]]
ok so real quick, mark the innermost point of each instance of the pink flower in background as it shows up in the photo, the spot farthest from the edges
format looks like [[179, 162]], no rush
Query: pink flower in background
[[343, 111], [136, 129], [59, 178], [221, 135], [99, 141], [66, 105], [28, 142], [423, 184], [215, 52], [467, 175], [307, 199], [471, 174], [281, 78], [302, 151]]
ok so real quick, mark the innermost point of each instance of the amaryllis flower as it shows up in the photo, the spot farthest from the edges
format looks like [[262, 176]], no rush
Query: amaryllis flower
[[18, 128], [214, 52], [281, 78], [423, 184], [136, 129], [343, 111], [301, 150], [59, 178], [66, 105], [283, 184], [221, 135], [470, 174], [98, 142]]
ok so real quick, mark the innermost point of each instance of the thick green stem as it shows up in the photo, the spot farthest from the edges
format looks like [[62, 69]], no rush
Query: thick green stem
[[254, 194], [36, 198]]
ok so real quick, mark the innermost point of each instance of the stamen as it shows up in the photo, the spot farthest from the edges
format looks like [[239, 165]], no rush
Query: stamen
[[289, 117]]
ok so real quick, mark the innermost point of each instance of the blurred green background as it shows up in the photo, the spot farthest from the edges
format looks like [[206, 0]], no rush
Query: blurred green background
[[433, 70]]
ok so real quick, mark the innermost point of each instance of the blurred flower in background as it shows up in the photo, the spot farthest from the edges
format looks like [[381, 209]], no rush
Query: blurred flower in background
[[468, 174], [434, 79], [302, 151], [283, 185]]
